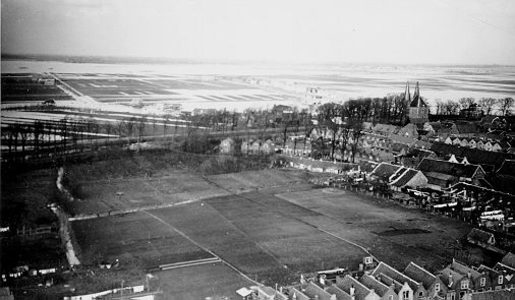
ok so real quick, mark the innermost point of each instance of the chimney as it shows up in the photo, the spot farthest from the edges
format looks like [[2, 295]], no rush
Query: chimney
[[322, 279], [316, 297], [469, 275], [450, 279], [352, 290]]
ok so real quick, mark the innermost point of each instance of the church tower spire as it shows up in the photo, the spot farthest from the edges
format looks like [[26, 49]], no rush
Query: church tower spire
[[407, 95]]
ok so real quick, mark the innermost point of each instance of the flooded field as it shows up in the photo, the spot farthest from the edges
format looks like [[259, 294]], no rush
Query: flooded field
[[195, 82]]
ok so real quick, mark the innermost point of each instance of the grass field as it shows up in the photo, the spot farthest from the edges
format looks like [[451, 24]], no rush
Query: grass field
[[136, 238], [271, 225], [199, 282]]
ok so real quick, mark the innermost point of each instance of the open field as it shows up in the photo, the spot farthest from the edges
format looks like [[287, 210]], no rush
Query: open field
[[24, 87], [213, 280], [392, 233], [119, 88], [135, 237]]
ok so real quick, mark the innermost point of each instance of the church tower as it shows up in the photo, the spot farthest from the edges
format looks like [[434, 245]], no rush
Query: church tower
[[418, 109]]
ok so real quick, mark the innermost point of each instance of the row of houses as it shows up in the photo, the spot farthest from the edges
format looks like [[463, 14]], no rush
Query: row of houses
[[380, 281], [478, 143]]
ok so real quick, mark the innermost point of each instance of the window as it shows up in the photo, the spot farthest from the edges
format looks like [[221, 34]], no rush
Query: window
[[451, 296], [499, 280], [437, 287], [368, 260], [405, 295], [465, 285], [483, 281]]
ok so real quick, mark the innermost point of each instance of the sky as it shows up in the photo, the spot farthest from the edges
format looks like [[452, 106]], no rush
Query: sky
[[361, 31]]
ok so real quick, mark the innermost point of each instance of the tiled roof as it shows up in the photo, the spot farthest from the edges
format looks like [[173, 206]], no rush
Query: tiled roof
[[509, 260], [503, 184], [479, 235], [466, 128], [311, 290], [405, 178], [395, 275], [372, 283], [420, 274], [345, 284], [474, 156], [507, 168], [385, 170], [449, 168], [386, 129], [367, 166], [464, 270], [299, 295], [340, 294], [445, 276], [385, 279]]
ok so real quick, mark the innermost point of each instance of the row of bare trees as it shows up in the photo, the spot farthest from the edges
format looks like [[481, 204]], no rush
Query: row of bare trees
[[487, 105], [344, 123]]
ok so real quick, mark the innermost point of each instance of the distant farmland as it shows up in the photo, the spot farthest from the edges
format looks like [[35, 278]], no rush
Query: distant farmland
[[119, 88]]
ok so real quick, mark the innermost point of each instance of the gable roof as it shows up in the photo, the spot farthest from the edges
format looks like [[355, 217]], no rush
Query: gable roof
[[449, 168], [474, 156], [385, 170], [405, 178], [509, 260], [340, 294], [479, 235], [385, 128], [445, 276], [507, 168], [348, 281], [298, 295], [395, 275], [420, 274], [372, 283], [311, 290], [464, 270]]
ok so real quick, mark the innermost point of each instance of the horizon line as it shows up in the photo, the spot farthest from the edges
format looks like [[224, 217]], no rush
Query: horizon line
[[128, 58]]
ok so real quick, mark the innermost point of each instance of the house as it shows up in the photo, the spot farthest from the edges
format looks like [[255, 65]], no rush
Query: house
[[405, 287], [509, 260], [434, 286], [410, 130], [295, 294], [477, 280], [313, 291], [355, 289], [384, 171], [470, 173], [267, 148], [481, 238], [338, 293], [227, 146], [409, 178], [382, 290], [457, 285]]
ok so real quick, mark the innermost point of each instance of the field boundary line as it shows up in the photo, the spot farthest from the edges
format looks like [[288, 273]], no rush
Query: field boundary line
[[203, 248]]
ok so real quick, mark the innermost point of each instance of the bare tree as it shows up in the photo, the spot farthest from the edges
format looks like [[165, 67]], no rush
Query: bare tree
[[505, 105], [487, 104], [466, 102]]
